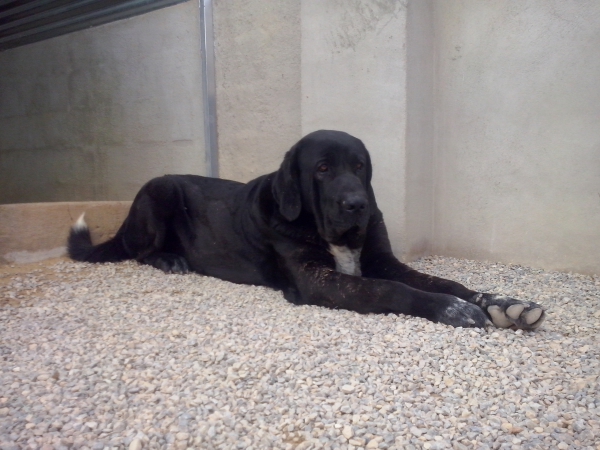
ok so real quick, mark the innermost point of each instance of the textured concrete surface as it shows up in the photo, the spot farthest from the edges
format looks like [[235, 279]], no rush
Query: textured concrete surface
[[94, 114], [257, 53], [517, 160], [31, 232]]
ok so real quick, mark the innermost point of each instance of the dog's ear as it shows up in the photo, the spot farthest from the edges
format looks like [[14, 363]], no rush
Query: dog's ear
[[369, 167], [370, 193], [286, 186]]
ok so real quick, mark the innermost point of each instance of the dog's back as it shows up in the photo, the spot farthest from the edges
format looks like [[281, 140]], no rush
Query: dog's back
[[157, 203]]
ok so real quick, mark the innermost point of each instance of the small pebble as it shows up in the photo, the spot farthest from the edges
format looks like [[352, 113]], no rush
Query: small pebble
[[136, 444], [416, 431], [347, 432], [373, 444]]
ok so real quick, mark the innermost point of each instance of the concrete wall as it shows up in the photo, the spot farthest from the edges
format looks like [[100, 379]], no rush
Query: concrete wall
[[94, 114], [517, 157], [257, 55]]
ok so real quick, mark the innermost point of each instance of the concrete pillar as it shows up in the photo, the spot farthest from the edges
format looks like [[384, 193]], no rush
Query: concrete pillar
[[420, 133], [354, 80]]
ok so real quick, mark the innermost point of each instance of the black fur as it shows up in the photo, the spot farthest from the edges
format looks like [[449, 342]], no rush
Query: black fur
[[80, 248], [277, 231]]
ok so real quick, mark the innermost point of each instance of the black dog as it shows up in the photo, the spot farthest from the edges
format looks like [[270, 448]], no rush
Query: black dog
[[311, 229]]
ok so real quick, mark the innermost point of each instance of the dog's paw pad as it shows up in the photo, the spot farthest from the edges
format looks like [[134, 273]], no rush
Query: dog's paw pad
[[533, 316], [498, 317], [515, 311], [507, 312]]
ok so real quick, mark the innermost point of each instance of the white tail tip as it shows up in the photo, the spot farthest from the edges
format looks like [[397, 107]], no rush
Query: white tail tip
[[80, 224]]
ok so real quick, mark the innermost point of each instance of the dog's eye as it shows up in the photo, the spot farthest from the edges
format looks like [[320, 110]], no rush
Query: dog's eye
[[323, 168], [359, 166]]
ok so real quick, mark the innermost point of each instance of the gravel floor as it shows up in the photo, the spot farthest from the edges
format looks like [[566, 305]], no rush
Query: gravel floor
[[124, 356]]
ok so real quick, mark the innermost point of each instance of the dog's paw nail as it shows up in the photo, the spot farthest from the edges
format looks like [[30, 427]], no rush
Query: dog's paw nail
[[533, 315], [498, 317], [515, 311]]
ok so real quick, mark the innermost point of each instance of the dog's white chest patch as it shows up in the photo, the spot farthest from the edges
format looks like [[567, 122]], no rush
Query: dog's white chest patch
[[346, 260]]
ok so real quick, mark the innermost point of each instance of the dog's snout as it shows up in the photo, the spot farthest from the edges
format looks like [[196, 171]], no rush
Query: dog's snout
[[354, 203]]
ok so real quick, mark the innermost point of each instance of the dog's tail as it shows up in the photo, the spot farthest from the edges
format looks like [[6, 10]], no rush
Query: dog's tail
[[80, 247]]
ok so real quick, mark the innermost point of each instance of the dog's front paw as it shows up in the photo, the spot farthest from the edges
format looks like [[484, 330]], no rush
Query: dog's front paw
[[460, 313], [507, 312]]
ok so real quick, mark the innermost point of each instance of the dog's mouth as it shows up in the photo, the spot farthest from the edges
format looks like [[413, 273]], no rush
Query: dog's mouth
[[352, 236], [339, 224], [342, 223]]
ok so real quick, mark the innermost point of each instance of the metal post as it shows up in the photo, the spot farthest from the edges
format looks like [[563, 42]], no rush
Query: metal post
[[209, 88]]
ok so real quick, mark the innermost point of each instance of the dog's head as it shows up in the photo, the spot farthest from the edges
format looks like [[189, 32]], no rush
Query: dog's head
[[327, 174]]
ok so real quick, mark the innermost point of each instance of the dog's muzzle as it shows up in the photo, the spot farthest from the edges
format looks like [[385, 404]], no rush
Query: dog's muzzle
[[354, 204]]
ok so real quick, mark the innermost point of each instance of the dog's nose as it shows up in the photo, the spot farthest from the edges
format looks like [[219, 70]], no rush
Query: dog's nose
[[354, 203]]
